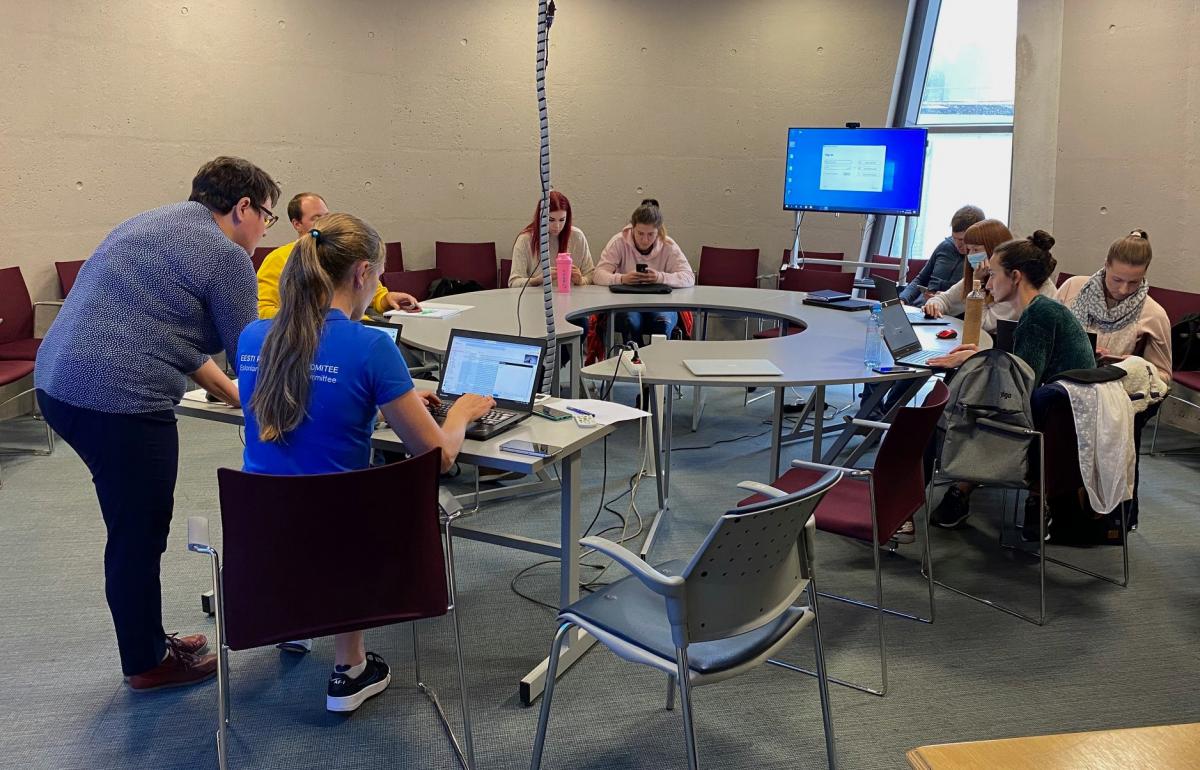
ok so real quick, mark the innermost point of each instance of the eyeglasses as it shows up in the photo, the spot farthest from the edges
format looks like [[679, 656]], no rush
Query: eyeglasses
[[269, 215]]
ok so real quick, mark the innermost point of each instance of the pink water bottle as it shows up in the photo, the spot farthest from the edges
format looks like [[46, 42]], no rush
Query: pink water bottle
[[562, 264]]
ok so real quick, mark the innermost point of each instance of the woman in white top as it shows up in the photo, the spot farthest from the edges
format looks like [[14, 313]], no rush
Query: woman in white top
[[564, 237], [981, 240]]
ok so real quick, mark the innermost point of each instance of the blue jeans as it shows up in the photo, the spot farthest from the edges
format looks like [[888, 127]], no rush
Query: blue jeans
[[633, 325]]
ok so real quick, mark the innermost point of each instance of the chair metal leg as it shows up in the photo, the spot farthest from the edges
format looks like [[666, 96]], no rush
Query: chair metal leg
[[462, 669], [685, 700], [822, 678], [670, 692], [539, 740], [878, 592]]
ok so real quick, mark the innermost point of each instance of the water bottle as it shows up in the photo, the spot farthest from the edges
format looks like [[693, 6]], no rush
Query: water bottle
[[873, 348], [562, 267]]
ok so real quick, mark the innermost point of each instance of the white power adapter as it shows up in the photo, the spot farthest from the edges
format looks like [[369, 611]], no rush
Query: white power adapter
[[631, 366]]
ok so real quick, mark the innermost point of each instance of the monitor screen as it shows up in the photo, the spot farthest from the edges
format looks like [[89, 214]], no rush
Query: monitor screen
[[505, 369], [855, 170]]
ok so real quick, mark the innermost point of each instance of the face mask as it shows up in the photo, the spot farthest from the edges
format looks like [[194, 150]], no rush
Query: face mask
[[977, 258]]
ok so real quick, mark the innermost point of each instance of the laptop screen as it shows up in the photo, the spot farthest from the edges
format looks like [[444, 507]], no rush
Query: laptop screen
[[505, 368], [391, 331], [897, 329]]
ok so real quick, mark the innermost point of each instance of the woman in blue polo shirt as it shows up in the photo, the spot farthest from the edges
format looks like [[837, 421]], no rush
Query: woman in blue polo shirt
[[311, 380]]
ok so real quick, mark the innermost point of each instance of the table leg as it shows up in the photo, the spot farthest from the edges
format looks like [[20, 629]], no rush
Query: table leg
[[776, 433], [668, 420], [656, 438], [818, 409], [578, 642]]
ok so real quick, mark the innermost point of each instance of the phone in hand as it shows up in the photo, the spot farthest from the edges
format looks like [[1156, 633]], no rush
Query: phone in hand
[[534, 448], [641, 267]]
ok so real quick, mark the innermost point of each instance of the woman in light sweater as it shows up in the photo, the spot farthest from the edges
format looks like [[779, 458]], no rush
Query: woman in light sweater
[[644, 242], [981, 240], [1113, 303], [564, 237]]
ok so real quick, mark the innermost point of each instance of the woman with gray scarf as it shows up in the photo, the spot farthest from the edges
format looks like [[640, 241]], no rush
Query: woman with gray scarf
[[1114, 304]]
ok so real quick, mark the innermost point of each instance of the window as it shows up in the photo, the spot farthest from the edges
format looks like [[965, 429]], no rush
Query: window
[[961, 88]]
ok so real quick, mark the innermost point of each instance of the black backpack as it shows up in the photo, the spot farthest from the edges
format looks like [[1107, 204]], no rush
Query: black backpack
[[444, 287], [1185, 344]]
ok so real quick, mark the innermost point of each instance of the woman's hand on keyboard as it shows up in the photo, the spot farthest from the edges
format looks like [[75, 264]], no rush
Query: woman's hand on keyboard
[[471, 407]]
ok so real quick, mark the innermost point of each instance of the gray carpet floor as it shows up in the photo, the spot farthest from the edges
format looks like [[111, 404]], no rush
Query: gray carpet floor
[[1107, 657]]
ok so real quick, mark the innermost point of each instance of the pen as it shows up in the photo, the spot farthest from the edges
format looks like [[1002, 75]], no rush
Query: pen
[[580, 411]]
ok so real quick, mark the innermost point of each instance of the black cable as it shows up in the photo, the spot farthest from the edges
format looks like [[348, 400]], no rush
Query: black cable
[[722, 441]]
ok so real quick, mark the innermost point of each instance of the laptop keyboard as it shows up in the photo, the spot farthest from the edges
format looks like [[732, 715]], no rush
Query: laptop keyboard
[[493, 417], [922, 356]]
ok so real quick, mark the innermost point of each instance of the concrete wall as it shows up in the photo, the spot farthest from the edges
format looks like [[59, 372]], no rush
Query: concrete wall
[[421, 117], [1121, 82]]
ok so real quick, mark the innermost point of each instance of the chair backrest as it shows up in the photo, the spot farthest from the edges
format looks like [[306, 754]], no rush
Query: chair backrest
[[393, 260], [1063, 275], [728, 267], [1177, 303], [67, 273], [787, 256], [467, 261], [810, 279], [914, 268], [899, 471], [505, 272], [15, 306], [414, 282], [751, 566], [290, 573], [259, 255]]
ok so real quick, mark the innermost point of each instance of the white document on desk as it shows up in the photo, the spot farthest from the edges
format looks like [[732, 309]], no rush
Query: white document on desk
[[201, 395], [439, 310], [606, 412]]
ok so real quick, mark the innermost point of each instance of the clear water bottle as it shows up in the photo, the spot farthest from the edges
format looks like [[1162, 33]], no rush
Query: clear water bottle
[[873, 348]]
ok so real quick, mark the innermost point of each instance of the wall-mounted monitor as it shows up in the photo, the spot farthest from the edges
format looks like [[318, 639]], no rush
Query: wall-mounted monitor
[[855, 170]]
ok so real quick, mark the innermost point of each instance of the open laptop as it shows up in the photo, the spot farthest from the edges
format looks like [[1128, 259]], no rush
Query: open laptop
[[391, 331], [732, 367], [888, 290], [901, 339], [504, 367]]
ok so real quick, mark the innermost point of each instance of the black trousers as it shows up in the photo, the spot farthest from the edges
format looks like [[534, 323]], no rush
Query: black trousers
[[134, 459]]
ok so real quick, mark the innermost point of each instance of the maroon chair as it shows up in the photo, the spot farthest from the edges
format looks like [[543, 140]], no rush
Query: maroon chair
[[886, 495], [1177, 303], [728, 267], [281, 580], [17, 342], [1063, 275], [505, 272], [893, 274], [808, 279], [393, 260], [67, 273], [467, 262], [12, 372], [259, 255], [787, 256], [414, 282]]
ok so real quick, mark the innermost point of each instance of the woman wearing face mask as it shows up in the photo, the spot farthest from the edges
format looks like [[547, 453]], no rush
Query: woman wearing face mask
[[564, 237], [644, 241], [981, 240]]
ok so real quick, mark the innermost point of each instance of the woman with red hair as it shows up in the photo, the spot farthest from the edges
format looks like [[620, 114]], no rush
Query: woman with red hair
[[564, 237]]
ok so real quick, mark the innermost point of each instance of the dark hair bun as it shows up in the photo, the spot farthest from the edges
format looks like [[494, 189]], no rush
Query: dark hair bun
[[1139, 233], [1043, 240], [650, 202]]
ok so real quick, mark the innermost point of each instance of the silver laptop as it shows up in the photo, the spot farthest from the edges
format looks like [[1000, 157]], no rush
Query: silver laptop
[[901, 339], [732, 367]]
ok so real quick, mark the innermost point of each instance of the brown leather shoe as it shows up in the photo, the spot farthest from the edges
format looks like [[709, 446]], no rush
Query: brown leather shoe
[[193, 643], [178, 669]]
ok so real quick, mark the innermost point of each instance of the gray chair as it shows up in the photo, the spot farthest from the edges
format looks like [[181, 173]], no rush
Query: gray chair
[[728, 609]]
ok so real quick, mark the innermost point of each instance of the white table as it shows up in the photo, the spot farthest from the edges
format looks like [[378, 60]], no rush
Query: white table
[[565, 434]]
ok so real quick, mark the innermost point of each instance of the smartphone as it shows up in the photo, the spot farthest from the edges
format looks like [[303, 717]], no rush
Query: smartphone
[[641, 267], [541, 410], [534, 448], [892, 369]]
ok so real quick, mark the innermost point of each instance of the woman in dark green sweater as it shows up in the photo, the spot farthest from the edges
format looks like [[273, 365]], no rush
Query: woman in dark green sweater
[[1048, 336]]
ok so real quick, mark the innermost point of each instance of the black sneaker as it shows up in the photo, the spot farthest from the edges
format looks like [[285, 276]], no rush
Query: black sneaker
[[346, 694], [1031, 527], [952, 510]]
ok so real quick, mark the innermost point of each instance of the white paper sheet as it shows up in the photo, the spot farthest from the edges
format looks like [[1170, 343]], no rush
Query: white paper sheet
[[607, 413], [439, 310]]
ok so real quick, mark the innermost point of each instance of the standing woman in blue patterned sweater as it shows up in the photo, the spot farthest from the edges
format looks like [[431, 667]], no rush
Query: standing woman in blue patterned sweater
[[162, 293]]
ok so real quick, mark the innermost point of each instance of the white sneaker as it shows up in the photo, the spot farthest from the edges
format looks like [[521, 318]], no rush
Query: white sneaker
[[298, 646], [906, 534]]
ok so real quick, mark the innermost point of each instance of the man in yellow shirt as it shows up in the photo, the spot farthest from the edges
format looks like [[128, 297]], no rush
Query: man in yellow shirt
[[303, 210]]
